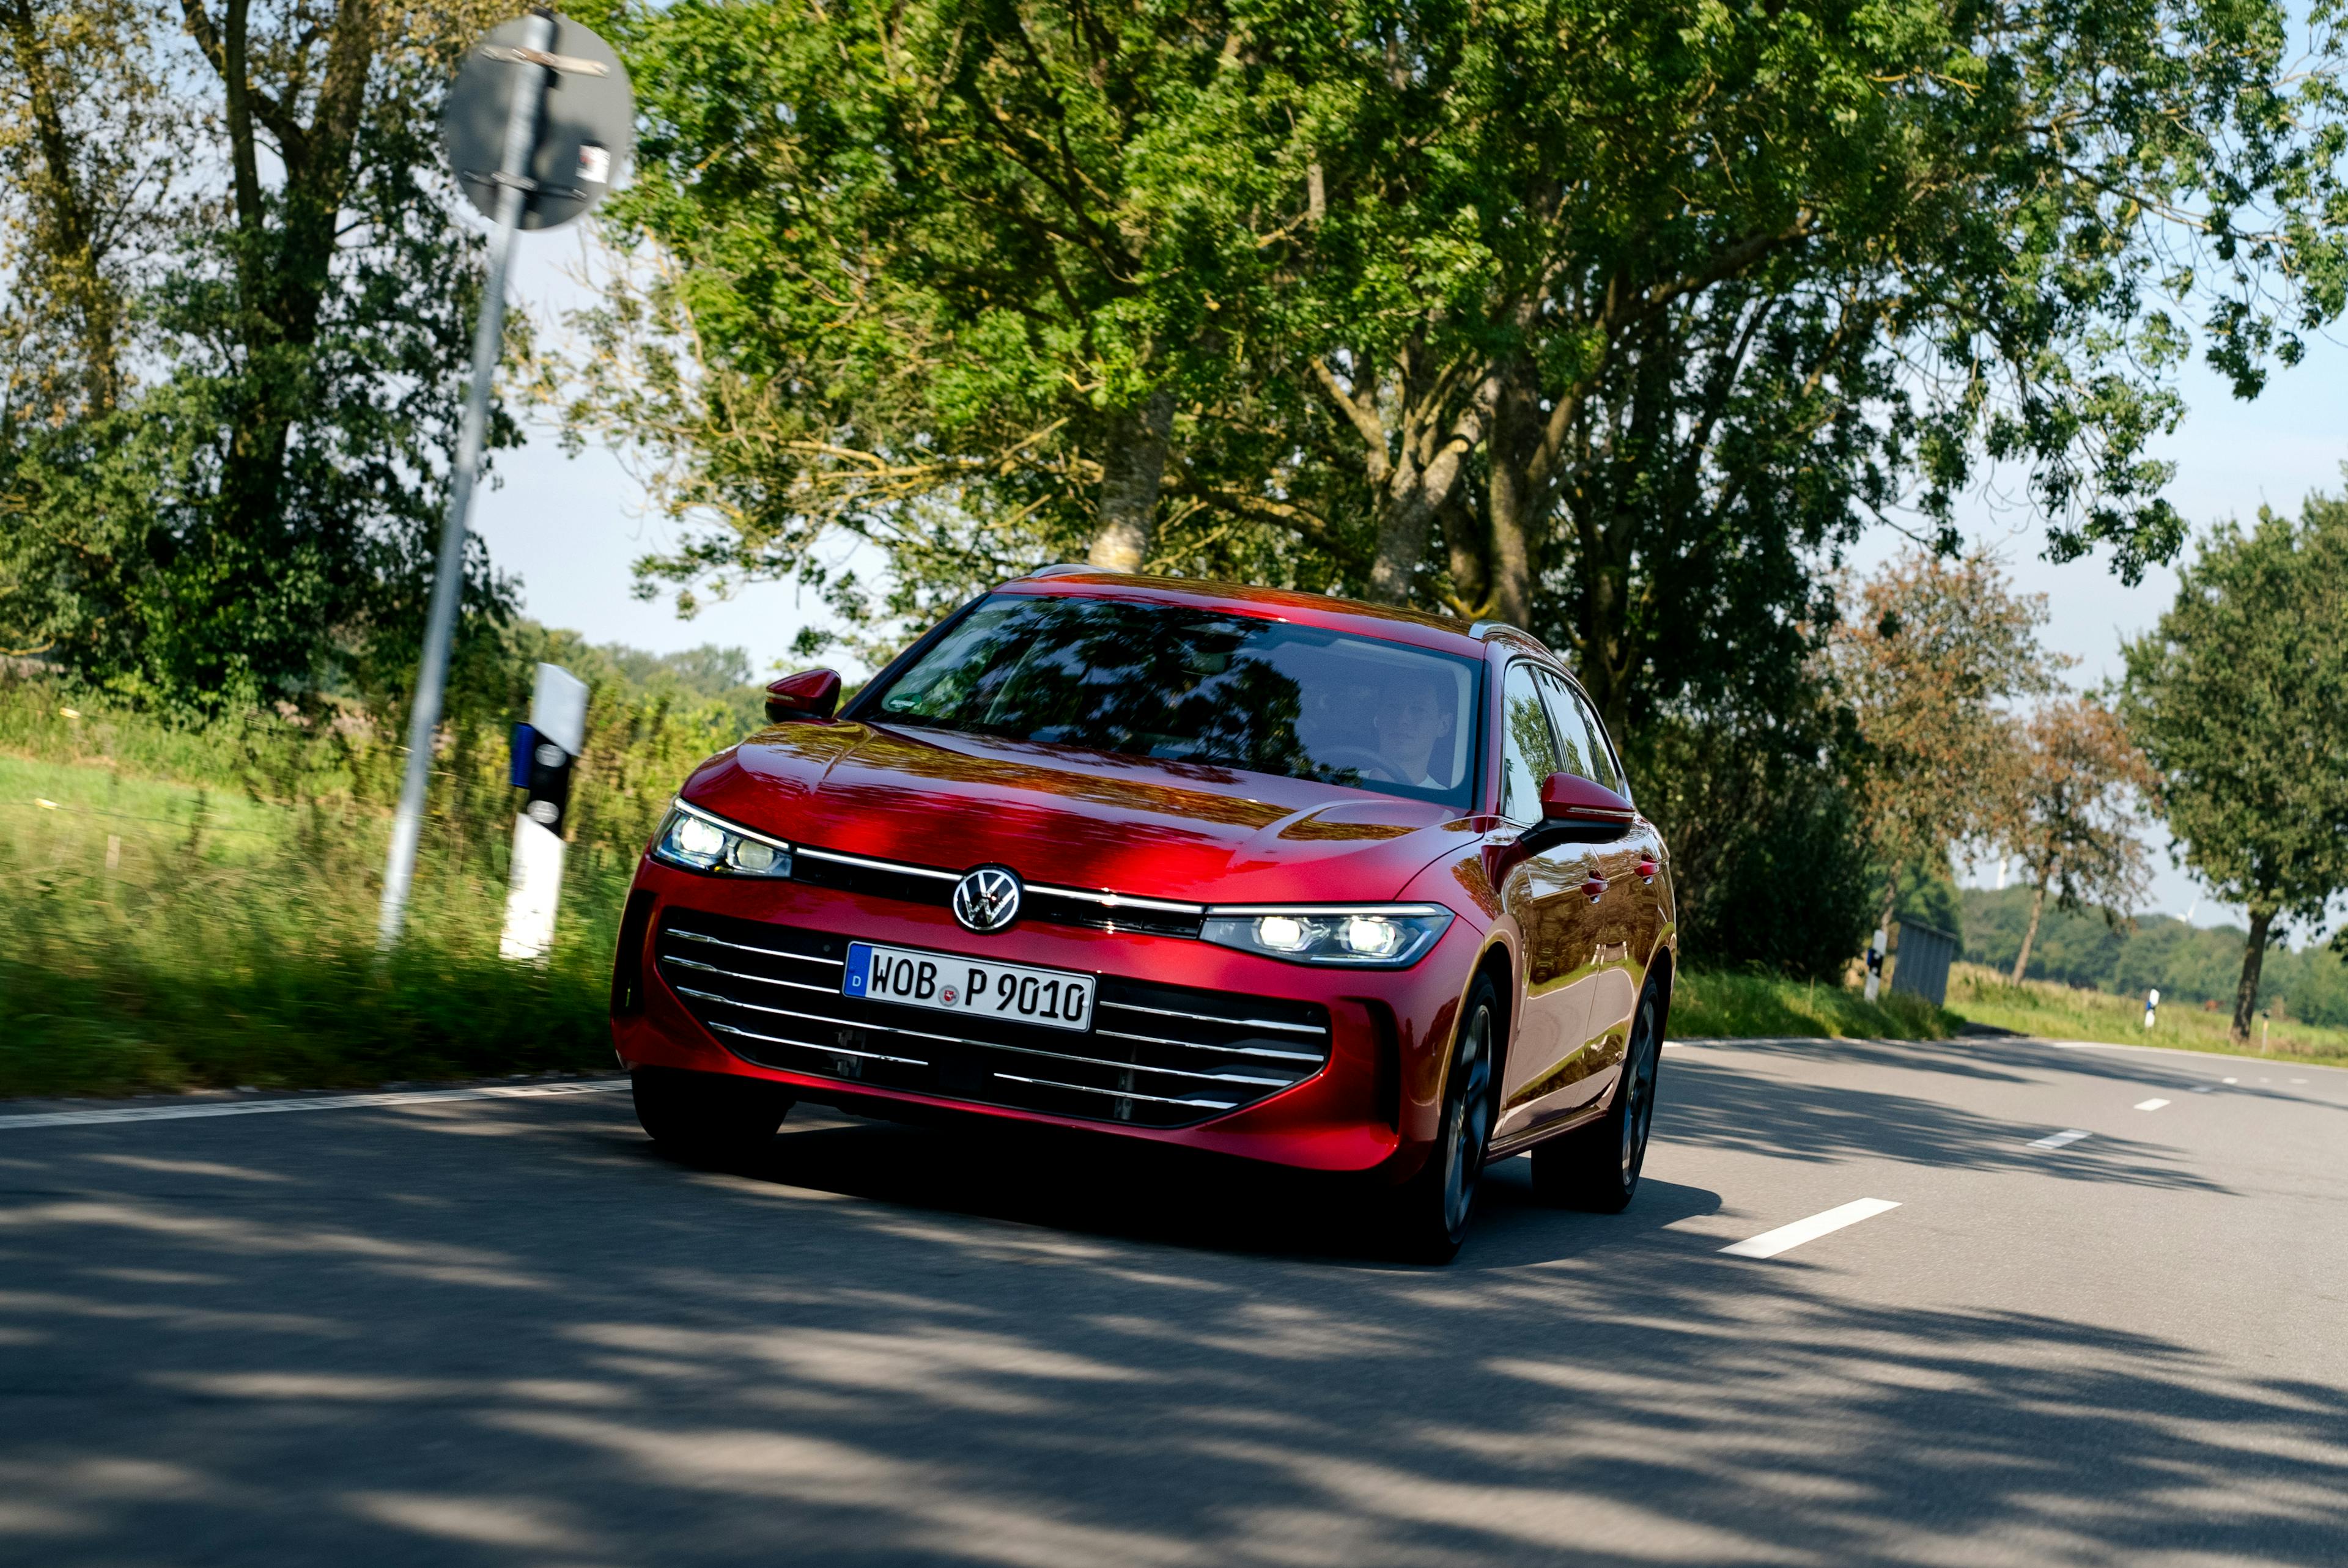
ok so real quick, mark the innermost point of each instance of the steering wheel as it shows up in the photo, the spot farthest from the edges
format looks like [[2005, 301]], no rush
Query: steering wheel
[[1361, 759]]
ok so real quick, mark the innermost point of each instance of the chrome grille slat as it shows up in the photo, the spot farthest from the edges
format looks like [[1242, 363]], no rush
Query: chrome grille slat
[[737, 975], [1221, 1049], [1233, 1045], [1123, 1094], [803, 1045], [1107, 1061], [693, 936], [1211, 1018]]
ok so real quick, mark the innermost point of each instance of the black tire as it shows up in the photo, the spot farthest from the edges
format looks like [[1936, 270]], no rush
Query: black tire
[[1596, 1168], [1432, 1210], [707, 1118]]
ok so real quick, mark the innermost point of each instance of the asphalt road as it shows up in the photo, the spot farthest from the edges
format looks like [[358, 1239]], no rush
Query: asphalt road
[[501, 1330]]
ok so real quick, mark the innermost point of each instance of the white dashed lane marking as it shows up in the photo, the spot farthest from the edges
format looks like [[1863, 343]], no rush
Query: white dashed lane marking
[[321, 1103], [2151, 1104], [1769, 1244], [2057, 1140]]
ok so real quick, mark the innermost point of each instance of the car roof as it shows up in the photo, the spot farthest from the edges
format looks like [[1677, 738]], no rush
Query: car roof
[[1385, 622]]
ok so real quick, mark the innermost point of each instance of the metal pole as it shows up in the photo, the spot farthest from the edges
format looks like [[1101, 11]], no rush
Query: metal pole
[[440, 622]]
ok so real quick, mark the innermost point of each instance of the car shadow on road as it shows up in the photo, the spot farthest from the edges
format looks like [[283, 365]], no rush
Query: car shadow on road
[[1090, 1186]]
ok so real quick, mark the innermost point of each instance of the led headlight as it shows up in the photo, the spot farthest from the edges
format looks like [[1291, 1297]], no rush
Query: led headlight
[[1373, 936], [694, 840]]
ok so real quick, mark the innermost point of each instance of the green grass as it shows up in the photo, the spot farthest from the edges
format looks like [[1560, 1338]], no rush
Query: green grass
[[231, 943], [2064, 1012], [1727, 1004]]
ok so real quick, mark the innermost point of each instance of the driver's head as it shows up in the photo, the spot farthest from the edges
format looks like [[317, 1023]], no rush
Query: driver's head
[[1412, 716]]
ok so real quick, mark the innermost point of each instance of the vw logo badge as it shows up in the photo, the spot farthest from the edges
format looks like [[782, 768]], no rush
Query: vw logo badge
[[987, 899]]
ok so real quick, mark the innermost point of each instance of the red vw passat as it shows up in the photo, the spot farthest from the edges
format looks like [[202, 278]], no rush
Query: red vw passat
[[1311, 882]]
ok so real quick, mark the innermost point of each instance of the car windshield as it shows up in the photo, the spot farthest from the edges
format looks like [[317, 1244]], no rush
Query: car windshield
[[1199, 686]]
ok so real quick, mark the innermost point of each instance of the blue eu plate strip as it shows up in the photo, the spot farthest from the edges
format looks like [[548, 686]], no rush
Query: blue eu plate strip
[[860, 968]]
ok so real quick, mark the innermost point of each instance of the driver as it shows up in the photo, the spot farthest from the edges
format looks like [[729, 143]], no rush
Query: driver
[[1412, 721]]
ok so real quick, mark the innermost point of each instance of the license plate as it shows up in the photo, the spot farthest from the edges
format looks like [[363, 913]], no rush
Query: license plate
[[947, 982]]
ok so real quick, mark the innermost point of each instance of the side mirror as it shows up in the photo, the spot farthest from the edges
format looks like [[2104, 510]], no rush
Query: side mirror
[[1569, 797], [808, 697]]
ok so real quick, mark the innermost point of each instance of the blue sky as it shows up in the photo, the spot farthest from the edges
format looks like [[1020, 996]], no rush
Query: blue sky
[[570, 527]]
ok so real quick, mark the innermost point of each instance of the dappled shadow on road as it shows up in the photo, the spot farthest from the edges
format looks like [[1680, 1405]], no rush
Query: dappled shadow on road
[[1717, 1100], [510, 1335]]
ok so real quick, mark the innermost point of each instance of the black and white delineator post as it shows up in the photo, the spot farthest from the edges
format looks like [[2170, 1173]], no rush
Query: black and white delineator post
[[537, 126], [544, 750]]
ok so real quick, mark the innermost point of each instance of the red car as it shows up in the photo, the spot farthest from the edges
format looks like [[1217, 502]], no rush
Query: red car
[[1311, 882]]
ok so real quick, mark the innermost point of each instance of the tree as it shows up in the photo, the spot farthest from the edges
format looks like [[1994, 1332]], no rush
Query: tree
[[1931, 650], [2239, 697], [90, 143], [969, 253], [2070, 812], [250, 517], [1609, 321]]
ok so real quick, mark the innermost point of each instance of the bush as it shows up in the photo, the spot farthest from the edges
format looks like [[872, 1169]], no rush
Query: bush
[[1764, 846]]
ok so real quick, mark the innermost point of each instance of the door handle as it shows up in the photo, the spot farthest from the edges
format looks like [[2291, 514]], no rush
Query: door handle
[[1595, 887], [1647, 869]]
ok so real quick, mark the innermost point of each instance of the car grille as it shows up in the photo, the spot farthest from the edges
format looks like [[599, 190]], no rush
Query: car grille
[[1157, 1056]]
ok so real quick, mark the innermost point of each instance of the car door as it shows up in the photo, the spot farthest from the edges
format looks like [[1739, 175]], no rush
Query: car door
[[1626, 917], [1541, 889]]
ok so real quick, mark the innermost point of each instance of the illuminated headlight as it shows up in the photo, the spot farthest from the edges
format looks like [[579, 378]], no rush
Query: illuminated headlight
[[1379, 937], [695, 841]]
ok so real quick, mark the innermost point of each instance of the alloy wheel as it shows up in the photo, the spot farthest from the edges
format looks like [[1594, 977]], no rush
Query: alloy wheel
[[1470, 1118], [1639, 1113]]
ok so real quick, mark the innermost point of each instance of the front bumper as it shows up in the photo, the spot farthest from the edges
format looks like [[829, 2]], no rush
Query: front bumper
[[1192, 1044]]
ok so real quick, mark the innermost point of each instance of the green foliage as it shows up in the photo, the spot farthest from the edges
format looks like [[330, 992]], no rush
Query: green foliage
[[2239, 698], [2192, 966], [1767, 861], [250, 518], [1612, 321]]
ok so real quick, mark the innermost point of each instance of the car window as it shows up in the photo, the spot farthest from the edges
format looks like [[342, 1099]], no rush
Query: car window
[[1580, 735], [1527, 750], [1203, 687]]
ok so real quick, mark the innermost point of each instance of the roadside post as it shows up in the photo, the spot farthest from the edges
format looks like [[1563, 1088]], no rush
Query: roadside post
[[1875, 951], [540, 122], [544, 750], [2151, 1003]]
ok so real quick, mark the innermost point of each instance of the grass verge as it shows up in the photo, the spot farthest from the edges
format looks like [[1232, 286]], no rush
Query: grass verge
[[2063, 1012], [1726, 1004], [157, 937]]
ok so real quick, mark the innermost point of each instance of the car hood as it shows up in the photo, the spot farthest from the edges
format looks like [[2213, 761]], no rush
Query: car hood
[[1075, 818]]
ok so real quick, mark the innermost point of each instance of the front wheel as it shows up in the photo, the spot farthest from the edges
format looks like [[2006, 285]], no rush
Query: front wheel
[[1597, 1167], [707, 1118], [1432, 1211]]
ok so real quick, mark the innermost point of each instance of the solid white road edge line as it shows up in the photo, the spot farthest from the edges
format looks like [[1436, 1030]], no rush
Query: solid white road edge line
[[2057, 1140], [2151, 1104], [1769, 1244], [322, 1103]]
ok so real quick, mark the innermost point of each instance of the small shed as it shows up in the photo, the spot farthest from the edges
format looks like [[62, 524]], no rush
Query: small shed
[[1921, 961]]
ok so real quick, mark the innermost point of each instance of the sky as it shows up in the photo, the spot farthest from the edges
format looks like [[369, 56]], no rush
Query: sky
[[570, 527]]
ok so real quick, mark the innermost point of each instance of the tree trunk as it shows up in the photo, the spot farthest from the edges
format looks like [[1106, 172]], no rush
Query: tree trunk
[[1131, 471], [2030, 932], [2254, 958]]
